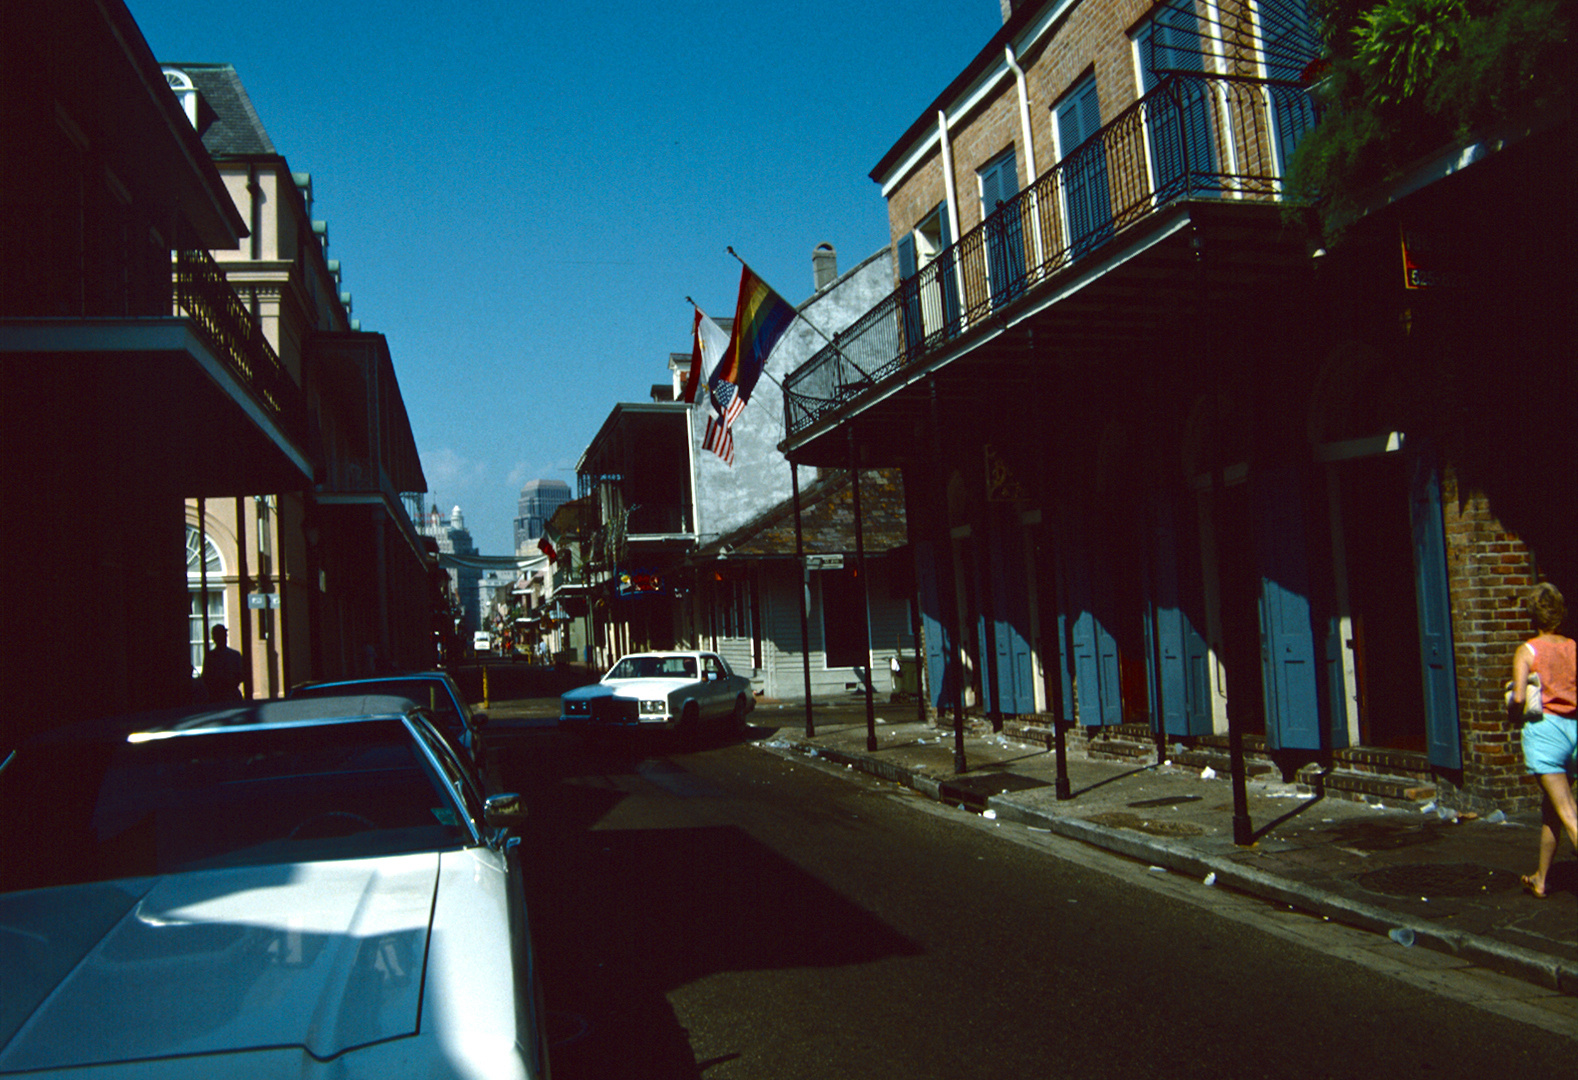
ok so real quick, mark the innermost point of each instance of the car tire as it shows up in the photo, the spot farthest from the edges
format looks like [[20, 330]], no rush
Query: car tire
[[689, 729]]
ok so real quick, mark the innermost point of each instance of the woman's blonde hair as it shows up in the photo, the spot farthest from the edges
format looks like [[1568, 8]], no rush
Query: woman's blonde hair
[[1546, 607]]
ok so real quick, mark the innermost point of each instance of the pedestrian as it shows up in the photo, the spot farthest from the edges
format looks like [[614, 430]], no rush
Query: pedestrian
[[222, 673], [1550, 743]]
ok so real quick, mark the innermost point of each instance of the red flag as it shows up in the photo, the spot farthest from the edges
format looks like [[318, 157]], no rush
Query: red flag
[[693, 380]]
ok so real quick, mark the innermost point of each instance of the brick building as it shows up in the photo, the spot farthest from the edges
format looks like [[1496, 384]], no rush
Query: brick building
[[1181, 469]]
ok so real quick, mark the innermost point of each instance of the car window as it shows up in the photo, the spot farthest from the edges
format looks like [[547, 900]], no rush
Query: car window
[[680, 666], [227, 797], [715, 668], [460, 780], [432, 694]]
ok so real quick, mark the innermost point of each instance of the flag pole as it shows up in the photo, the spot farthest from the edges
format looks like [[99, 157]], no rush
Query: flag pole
[[799, 315]]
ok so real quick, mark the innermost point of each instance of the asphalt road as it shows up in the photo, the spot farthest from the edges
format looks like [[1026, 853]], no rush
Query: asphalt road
[[728, 913]]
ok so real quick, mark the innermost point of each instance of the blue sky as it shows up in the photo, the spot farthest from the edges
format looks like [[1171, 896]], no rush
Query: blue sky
[[522, 193]]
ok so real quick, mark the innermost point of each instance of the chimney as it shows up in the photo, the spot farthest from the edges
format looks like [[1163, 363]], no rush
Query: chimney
[[824, 266]]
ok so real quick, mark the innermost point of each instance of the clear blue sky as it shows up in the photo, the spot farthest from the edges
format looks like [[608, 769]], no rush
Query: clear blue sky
[[522, 193]]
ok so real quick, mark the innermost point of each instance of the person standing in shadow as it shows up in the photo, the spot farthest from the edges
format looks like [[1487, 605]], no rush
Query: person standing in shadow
[[222, 672]]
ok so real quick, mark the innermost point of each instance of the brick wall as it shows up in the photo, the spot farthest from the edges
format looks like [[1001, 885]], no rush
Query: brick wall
[[1091, 37], [1489, 569]]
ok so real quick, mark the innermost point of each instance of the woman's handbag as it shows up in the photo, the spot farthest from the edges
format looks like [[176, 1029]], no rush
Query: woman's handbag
[[1532, 701]]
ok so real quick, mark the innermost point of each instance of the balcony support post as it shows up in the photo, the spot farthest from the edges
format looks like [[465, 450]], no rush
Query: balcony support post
[[865, 592], [805, 597]]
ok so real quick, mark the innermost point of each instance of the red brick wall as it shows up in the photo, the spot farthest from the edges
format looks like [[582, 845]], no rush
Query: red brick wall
[[1094, 35], [1488, 572]]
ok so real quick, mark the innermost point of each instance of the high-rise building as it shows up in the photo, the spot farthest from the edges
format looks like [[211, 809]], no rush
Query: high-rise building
[[539, 499]]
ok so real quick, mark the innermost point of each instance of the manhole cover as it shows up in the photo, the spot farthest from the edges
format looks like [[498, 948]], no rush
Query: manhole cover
[[1170, 800], [1448, 879], [1118, 819]]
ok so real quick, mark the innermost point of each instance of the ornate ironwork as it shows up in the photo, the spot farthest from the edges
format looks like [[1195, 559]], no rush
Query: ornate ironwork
[[1192, 137], [205, 296]]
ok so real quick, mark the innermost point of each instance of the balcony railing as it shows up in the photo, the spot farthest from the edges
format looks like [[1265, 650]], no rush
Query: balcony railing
[[203, 295], [1192, 137]]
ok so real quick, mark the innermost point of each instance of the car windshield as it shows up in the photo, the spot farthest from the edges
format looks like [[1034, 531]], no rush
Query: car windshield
[[432, 694], [654, 667], [75, 811]]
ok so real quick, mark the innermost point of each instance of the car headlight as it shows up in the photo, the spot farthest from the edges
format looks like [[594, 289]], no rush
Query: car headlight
[[654, 708]]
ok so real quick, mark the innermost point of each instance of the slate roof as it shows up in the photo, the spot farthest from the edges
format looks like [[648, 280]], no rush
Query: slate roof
[[827, 520], [236, 130]]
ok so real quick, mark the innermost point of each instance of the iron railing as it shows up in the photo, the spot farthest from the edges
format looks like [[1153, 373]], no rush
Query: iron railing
[[1192, 137], [205, 296]]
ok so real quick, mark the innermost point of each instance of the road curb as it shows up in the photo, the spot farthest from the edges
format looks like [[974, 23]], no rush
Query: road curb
[[1528, 965]]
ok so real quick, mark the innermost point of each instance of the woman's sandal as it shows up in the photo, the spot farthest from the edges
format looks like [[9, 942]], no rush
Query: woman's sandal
[[1528, 887]]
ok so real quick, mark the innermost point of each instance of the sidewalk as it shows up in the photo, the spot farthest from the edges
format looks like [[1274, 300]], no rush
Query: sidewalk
[[1409, 872]]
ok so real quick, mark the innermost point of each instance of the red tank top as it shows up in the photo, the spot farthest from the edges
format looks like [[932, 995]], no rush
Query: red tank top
[[1557, 664]]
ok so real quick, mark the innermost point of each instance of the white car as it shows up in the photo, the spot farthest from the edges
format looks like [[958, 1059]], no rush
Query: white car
[[663, 691], [250, 893]]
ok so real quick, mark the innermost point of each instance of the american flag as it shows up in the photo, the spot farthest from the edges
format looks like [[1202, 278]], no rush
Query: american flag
[[719, 440], [728, 400]]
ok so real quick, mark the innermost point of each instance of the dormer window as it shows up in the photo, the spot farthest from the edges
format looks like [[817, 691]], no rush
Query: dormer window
[[181, 86]]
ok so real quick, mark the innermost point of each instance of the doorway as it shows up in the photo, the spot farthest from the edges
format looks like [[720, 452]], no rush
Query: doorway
[[1378, 556]]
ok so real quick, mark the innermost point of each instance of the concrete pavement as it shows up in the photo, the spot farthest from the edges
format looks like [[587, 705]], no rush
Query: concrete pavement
[[1424, 876]]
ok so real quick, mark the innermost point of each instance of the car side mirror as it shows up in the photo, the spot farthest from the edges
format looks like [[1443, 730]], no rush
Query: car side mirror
[[479, 719], [507, 811]]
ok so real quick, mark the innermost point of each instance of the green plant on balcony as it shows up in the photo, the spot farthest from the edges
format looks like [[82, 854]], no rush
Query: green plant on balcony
[[1406, 79]]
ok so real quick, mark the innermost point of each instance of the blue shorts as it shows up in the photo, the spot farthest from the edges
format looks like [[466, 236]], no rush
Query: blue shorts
[[1551, 745]]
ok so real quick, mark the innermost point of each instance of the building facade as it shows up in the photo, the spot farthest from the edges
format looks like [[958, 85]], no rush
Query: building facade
[[131, 379], [326, 580], [1179, 467]]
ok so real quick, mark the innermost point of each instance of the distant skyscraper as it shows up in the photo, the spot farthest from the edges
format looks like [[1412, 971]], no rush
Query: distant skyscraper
[[539, 499], [455, 539]]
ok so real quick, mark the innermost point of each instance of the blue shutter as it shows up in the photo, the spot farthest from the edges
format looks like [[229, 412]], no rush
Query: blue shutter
[[1287, 639], [1094, 649], [933, 625], [1435, 609], [1290, 46], [945, 274], [1177, 656], [1005, 241], [1178, 120], [1089, 206], [1011, 618], [909, 287]]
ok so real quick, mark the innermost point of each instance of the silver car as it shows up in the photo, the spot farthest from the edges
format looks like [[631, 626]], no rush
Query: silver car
[[250, 892]]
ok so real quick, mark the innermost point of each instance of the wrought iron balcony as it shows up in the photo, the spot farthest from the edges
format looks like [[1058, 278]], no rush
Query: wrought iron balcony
[[203, 295], [1192, 137]]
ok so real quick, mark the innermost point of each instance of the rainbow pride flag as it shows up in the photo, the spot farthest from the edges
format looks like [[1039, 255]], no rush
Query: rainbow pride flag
[[760, 318]]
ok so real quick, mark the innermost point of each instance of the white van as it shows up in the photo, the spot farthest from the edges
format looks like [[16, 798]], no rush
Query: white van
[[482, 641]]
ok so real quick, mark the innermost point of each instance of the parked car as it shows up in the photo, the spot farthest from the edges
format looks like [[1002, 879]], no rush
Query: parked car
[[435, 691], [258, 891], [664, 691]]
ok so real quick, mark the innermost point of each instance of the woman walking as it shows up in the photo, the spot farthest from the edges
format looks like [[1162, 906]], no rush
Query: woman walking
[[1550, 744]]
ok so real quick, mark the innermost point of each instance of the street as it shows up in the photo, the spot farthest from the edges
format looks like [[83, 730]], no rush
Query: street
[[730, 913]]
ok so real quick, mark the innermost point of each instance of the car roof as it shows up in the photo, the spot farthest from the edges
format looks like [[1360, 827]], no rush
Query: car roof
[[297, 711], [399, 676]]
